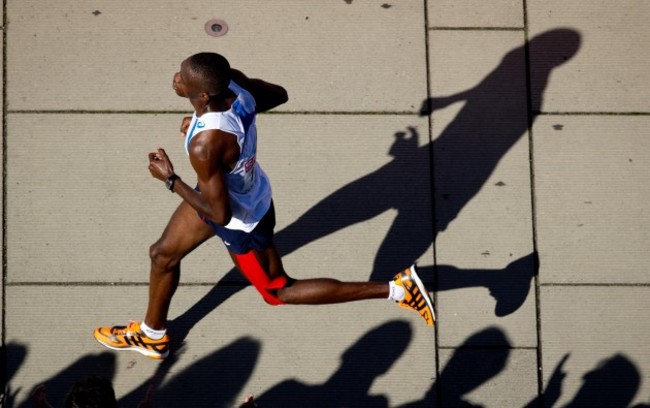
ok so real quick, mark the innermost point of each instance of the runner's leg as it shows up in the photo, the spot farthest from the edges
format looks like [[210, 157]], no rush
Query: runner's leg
[[314, 291], [184, 232]]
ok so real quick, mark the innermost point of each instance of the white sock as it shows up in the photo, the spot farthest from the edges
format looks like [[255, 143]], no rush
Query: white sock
[[396, 292], [151, 333]]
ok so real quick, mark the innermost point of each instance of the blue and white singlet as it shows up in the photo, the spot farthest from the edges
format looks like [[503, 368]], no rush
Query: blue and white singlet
[[248, 186]]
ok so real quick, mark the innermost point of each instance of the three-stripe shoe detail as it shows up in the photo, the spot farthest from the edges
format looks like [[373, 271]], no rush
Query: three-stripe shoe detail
[[415, 294], [132, 338]]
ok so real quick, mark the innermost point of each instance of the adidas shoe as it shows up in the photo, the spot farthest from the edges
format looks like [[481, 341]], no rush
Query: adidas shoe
[[131, 338], [415, 295]]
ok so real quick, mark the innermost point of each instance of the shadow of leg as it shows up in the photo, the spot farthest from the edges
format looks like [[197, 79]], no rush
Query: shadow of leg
[[180, 327], [509, 286]]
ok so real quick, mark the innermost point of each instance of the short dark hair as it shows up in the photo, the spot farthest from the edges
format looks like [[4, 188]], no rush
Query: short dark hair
[[92, 392], [212, 70]]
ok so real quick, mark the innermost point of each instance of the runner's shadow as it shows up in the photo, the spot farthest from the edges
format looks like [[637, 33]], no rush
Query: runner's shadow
[[508, 286], [493, 118], [370, 357], [179, 327]]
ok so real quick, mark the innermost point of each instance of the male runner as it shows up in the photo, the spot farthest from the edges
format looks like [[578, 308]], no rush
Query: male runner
[[232, 200]]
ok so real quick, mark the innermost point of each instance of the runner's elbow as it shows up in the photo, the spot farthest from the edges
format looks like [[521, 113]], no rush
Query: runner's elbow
[[283, 96], [222, 218], [217, 215]]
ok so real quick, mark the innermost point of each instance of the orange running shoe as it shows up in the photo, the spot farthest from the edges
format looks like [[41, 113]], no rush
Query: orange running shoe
[[131, 338], [415, 295]]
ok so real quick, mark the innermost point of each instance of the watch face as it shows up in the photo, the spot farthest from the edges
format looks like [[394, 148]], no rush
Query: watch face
[[169, 183]]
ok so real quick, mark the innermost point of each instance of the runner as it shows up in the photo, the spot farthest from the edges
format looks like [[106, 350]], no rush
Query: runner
[[233, 201]]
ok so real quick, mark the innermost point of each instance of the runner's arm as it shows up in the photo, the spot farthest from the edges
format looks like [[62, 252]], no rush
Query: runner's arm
[[206, 157], [267, 95]]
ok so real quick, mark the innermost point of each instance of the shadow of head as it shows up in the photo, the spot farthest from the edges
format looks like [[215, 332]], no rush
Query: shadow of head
[[91, 365], [548, 51], [212, 381], [375, 352], [555, 46], [481, 357], [614, 383]]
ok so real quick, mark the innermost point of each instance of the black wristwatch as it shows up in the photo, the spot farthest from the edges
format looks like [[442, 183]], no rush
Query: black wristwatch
[[169, 183]]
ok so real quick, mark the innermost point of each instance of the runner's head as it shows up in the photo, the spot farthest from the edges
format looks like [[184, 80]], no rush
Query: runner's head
[[203, 73]]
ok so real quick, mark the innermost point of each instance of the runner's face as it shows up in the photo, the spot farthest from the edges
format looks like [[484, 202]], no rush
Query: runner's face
[[182, 84]]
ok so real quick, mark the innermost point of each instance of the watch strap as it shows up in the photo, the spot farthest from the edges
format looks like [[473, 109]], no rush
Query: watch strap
[[169, 183]]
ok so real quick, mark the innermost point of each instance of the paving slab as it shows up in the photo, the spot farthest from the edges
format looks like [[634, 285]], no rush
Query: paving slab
[[602, 332], [94, 207], [591, 192], [345, 189], [122, 55], [475, 14], [604, 61], [482, 185], [244, 346]]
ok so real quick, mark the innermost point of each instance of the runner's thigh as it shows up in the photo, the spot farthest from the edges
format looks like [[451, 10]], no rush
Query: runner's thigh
[[184, 232]]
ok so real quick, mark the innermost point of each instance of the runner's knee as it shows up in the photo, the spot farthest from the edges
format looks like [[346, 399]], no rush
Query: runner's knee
[[274, 292], [271, 289], [282, 295], [162, 258], [267, 286]]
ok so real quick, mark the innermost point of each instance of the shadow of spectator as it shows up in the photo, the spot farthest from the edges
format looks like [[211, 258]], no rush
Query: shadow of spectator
[[213, 381], [469, 367], [553, 390], [642, 405], [12, 356], [102, 365], [613, 384], [361, 364]]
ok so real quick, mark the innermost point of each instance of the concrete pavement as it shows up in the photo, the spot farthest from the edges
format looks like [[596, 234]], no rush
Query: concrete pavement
[[501, 144]]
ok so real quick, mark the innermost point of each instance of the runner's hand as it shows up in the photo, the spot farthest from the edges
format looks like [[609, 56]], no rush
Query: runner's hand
[[160, 166], [185, 124]]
